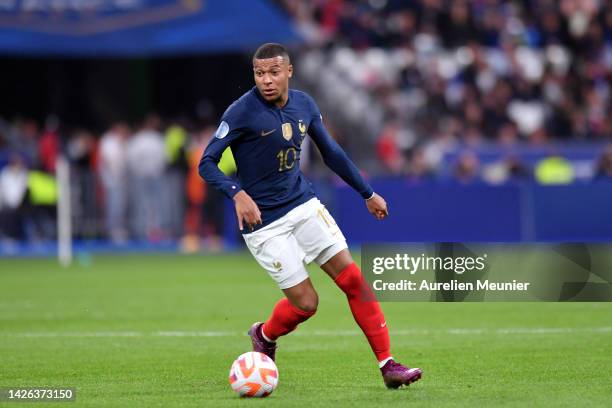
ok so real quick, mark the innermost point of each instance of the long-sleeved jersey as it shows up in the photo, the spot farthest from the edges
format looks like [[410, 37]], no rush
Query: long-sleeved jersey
[[266, 143]]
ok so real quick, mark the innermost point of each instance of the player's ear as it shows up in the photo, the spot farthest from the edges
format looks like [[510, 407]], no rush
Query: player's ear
[[290, 69]]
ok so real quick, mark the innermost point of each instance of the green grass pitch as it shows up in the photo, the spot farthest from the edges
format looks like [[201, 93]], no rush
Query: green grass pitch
[[163, 330]]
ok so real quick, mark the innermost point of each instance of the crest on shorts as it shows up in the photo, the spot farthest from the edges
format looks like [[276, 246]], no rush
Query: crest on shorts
[[287, 131]]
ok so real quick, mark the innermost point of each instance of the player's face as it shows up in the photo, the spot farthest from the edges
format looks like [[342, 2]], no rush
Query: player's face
[[272, 79]]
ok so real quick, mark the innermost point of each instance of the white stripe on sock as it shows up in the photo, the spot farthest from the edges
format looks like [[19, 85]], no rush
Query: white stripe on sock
[[265, 337], [381, 364]]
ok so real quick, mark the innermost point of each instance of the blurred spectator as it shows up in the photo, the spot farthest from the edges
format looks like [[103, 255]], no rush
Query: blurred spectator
[[205, 215], [388, 147], [81, 152], [13, 198], [516, 170], [603, 170], [554, 170], [196, 192], [507, 134], [49, 144], [509, 169], [42, 189], [112, 169], [467, 169], [175, 139], [419, 168], [23, 137], [146, 159]]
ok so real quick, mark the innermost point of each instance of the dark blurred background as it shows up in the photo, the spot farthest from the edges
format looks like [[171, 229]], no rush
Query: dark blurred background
[[94, 92]]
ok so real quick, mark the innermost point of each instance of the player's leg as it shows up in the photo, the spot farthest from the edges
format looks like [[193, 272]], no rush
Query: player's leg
[[320, 238], [366, 310], [369, 316], [299, 305], [278, 253], [303, 296]]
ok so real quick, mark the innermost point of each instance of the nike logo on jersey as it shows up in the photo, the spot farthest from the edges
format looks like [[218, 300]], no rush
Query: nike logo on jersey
[[383, 324], [267, 133]]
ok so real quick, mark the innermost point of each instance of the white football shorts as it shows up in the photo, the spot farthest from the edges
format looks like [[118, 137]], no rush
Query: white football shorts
[[305, 234]]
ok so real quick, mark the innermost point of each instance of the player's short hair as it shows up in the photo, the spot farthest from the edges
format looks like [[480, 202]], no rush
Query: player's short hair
[[271, 50]]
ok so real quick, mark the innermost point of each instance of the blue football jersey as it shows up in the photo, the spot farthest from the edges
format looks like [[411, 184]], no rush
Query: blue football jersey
[[266, 142]]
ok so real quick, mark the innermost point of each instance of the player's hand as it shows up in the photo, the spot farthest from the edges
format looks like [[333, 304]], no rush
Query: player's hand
[[377, 206], [246, 210]]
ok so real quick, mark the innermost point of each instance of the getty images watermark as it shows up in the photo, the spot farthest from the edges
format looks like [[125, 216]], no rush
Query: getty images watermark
[[488, 272]]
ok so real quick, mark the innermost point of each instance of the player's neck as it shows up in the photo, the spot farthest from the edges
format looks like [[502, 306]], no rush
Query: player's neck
[[282, 101], [279, 103]]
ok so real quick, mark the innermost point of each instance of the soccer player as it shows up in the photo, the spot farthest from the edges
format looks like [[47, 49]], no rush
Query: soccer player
[[283, 224]]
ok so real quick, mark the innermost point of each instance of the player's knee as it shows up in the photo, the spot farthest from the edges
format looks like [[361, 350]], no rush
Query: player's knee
[[308, 303]]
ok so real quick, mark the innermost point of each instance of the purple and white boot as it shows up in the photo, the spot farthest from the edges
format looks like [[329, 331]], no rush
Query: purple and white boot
[[395, 375], [260, 344]]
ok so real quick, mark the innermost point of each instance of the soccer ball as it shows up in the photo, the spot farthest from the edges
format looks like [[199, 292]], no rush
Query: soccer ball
[[253, 374]]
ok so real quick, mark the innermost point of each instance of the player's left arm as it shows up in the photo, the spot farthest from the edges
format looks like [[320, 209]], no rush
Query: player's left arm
[[377, 206], [337, 160]]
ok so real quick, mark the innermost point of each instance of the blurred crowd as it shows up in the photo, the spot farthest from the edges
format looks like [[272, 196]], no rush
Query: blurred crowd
[[127, 183], [436, 73], [446, 90], [142, 183]]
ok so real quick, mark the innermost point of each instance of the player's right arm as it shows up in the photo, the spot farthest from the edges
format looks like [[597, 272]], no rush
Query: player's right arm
[[247, 210], [228, 131]]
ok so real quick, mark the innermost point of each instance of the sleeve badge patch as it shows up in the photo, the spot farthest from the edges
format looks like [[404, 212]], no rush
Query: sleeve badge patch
[[222, 130]]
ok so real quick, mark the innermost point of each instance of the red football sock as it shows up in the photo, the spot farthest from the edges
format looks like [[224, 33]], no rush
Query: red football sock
[[284, 319], [366, 310]]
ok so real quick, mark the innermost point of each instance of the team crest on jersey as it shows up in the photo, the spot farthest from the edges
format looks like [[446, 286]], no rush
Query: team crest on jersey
[[287, 131], [222, 130], [302, 127]]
